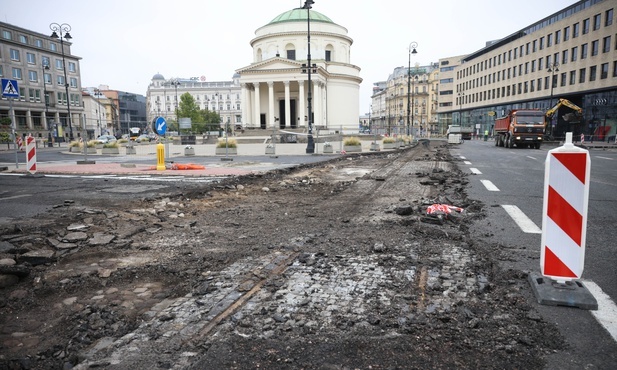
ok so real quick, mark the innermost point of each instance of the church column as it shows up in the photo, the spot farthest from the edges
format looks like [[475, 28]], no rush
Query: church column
[[256, 107], [270, 119], [245, 106], [317, 103], [302, 111], [287, 106]]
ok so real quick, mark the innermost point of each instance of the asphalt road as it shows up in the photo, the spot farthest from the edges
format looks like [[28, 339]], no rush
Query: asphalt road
[[515, 177]]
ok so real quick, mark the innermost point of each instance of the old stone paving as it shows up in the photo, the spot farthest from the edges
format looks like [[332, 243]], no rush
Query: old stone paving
[[332, 266]]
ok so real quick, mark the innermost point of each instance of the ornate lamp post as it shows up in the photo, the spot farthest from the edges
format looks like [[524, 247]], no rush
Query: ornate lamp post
[[175, 84], [412, 50], [310, 146], [61, 31], [552, 68], [50, 143]]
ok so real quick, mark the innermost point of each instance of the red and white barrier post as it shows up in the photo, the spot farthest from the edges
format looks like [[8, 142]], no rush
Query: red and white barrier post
[[564, 215], [31, 154]]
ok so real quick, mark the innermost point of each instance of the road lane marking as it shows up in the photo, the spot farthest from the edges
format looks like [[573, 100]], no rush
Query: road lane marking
[[475, 171], [522, 220], [17, 196], [530, 157], [610, 159], [462, 157], [467, 162], [607, 310], [489, 185]]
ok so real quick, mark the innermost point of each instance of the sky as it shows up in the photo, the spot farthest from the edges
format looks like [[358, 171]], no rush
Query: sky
[[123, 43]]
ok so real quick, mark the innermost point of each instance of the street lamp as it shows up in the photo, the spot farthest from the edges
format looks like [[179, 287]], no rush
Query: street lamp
[[412, 50], [175, 84], [552, 68], [61, 31], [310, 146], [460, 105], [413, 88], [97, 92], [50, 143]]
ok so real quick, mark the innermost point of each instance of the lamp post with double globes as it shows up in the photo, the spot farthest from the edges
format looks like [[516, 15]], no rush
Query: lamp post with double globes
[[412, 50], [61, 31], [310, 146]]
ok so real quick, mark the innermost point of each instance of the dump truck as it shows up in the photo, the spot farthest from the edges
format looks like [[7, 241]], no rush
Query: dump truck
[[521, 128], [464, 131]]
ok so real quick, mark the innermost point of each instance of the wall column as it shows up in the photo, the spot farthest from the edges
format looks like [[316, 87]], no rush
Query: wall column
[[270, 117], [317, 103], [302, 112], [256, 108], [287, 106], [245, 106]]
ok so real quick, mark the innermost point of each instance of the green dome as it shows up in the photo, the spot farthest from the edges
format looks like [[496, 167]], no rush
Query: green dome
[[299, 14]]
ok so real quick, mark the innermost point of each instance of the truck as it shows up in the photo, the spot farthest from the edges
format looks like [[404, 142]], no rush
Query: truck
[[521, 128], [464, 131]]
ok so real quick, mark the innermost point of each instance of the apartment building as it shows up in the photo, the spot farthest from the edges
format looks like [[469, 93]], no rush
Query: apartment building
[[45, 70], [571, 54], [222, 97]]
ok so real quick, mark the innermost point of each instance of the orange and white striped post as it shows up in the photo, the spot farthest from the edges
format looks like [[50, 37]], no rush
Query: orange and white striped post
[[564, 216]]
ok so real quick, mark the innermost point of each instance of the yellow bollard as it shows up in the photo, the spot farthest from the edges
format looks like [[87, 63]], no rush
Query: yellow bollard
[[160, 157]]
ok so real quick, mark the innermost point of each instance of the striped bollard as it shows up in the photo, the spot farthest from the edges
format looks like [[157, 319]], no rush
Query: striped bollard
[[31, 155], [564, 228]]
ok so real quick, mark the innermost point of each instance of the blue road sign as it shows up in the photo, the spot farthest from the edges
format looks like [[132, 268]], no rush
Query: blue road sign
[[161, 125], [10, 88]]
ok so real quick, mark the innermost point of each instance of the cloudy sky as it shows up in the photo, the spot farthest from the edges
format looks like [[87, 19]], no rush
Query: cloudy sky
[[124, 43]]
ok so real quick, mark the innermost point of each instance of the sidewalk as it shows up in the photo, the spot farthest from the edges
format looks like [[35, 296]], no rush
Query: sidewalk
[[251, 158]]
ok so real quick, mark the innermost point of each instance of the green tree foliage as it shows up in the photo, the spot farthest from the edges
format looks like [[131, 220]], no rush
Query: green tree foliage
[[201, 120], [189, 109]]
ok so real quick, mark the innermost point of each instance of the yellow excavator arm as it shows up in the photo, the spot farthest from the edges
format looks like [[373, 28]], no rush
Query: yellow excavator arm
[[565, 102]]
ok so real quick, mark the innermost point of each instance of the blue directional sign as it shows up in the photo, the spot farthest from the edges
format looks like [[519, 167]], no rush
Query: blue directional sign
[[161, 125], [10, 88]]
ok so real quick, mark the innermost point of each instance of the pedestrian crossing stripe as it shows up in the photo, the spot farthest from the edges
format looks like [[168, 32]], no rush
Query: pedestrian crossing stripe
[[10, 88]]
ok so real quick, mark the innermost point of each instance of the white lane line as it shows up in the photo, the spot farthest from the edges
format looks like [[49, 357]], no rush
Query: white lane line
[[17, 196], [522, 220], [475, 171], [462, 157], [467, 162], [610, 159], [489, 185], [607, 310], [530, 157]]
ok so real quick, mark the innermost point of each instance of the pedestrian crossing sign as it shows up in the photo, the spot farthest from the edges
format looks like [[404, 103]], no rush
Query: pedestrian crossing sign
[[10, 89]]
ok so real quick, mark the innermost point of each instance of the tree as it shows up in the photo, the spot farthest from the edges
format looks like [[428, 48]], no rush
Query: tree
[[189, 109]]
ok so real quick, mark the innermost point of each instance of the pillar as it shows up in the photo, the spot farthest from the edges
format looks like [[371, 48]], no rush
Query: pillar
[[302, 111], [257, 105], [287, 105], [270, 117]]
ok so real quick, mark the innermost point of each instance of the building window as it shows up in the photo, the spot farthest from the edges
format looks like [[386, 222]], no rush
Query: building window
[[614, 70], [17, 73], [59, 65], [53, 47], [6, 35], [23, 39], [585, 26], [604, 71], [47, 78], [534, 45], [581, 75], [597, 19], [557, 37], [32, 76], [575, 30], [594, 48], [533, 66], [1, 74], [546, 82], [566, 33], [72, 67], [38, 43], [563, 79], [291, 54], [608, 18], [30, 58], [564, 57], [592, 73], [574, 53], [539, 84], [14, 55], [73, 82], [533, 86], [606, 44], [60, 80], [45, 61], [328, 55], [584, 48]]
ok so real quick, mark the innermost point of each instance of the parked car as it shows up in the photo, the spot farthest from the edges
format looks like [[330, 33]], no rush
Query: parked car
[[142, 139], [104, 139]]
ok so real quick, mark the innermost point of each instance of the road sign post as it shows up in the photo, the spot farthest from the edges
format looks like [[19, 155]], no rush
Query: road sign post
[[564, 225], [160, 125], [10, 90]]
